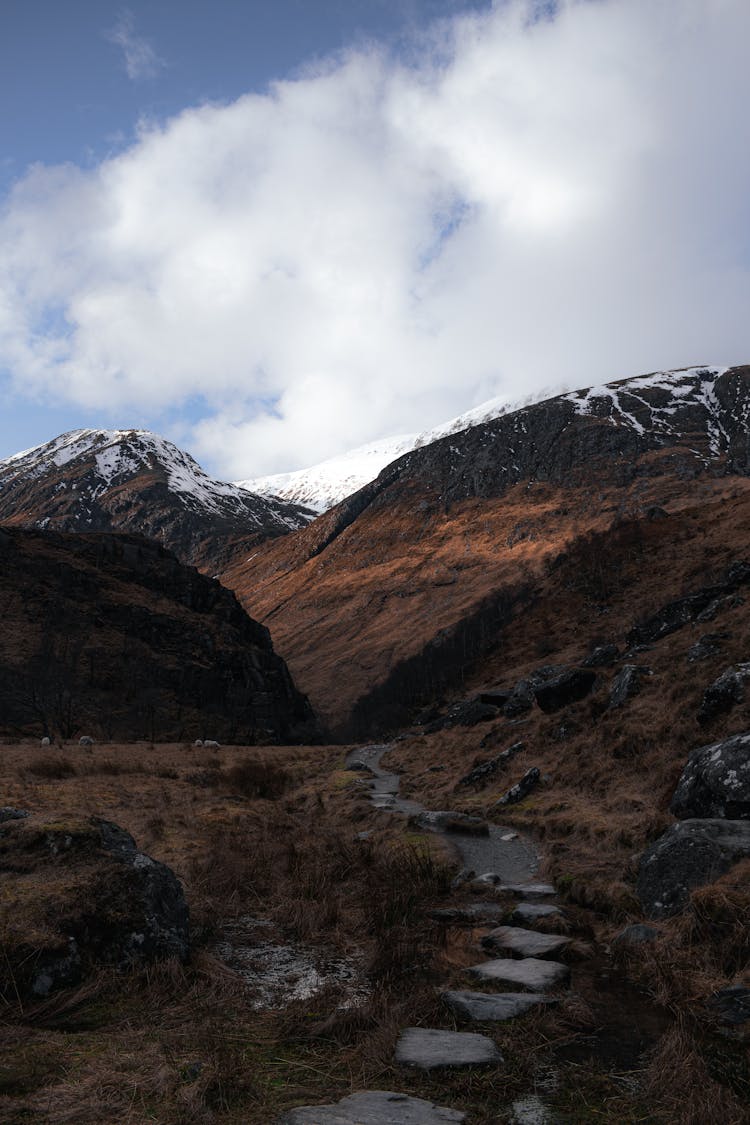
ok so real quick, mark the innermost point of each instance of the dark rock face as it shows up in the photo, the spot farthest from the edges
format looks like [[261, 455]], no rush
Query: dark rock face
[[637, 934], [688, 855], [80, 894], [716, 782], [111, 635], [721, 696], [627, 683], [522, 789], [569, 687]]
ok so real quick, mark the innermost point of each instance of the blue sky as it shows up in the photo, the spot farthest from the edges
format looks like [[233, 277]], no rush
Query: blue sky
[[277, 230]]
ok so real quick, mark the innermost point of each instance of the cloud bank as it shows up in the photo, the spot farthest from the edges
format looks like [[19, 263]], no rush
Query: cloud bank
[[537, 195]]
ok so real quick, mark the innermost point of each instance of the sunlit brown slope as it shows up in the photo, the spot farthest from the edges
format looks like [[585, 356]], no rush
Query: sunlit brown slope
[[394, 594]]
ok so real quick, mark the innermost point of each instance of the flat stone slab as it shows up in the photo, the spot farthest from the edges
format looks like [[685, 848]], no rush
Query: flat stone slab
[[528, 890], [472, 912], [531, 974], [374, 1107], [524, 943], [428, 1048], [530, 912], [495, 1006]]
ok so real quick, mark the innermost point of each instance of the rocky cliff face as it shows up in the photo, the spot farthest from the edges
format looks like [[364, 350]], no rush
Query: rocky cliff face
[[112, 636], [135, 481], [417, 574]]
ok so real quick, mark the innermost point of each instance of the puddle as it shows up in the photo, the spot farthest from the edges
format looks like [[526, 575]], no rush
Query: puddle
[[627, 1021], [278, 975]]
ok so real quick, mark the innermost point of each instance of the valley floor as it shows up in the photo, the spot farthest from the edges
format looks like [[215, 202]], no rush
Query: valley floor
[[283, 847]]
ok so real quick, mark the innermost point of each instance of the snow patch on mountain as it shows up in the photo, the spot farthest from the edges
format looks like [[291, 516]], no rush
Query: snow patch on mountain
[[109, 458], [324, 485]]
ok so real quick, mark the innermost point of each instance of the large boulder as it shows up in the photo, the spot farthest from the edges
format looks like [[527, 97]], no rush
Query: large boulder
[[716, 781], [77, 894], [569, 687], [688, 855]]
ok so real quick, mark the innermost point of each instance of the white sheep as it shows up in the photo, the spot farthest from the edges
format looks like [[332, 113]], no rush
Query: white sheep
[[85, 740], [211, 744], [198, 742], [45, 741]]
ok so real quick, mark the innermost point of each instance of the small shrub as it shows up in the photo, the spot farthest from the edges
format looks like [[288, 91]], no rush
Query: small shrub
[[49, 768], [257, 779]]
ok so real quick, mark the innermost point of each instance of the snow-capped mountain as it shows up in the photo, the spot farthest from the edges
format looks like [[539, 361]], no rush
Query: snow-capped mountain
[[324, 485], [137, 481]]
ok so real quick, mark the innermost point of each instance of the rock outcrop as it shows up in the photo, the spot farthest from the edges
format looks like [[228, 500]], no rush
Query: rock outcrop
[[722, 695], [688, 855], [78, 894]]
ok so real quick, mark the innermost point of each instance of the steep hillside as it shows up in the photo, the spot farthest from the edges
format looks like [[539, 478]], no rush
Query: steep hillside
[[135, 481], [394, 594], [110, 635]]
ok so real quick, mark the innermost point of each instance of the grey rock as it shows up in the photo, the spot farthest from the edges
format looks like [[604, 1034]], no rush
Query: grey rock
[[716, 781], [483, 771], [522, 788], [7, 812], [531, 974], [429, 1048], [85, 740], [523, 943], [688, 855], [495, 697], [708, 645], [722, 695], [603, 656], [374, 1107], [467, 713], [627, 683], [637, 934], [493, 1006]]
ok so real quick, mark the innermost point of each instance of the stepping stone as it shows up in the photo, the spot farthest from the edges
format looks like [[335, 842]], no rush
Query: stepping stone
[[493, 1005], [374, 1107], [472, 912], [428, 1048], [531, 974], [524, 943], [528, 890], [530, 912]]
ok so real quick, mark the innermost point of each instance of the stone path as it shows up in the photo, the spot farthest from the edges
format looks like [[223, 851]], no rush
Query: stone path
[[508, 864]]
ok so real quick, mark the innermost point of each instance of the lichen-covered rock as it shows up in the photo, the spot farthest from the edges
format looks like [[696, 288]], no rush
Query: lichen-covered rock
[[603, 656], [77, 894], [716, 781], [688, 855], [483, 771], [722, 695], [374, 1107]]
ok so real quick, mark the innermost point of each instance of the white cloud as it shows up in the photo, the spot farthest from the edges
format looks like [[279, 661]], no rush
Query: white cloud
[[377, 246], [140, 58]]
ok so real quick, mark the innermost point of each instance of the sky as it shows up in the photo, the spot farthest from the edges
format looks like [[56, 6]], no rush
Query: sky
[[274, 230]]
